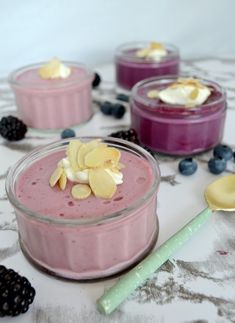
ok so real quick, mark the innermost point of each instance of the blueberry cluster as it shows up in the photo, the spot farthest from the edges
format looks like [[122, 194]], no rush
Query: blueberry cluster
[[116, 110], [12, 128], [216, 165], [16, 293]]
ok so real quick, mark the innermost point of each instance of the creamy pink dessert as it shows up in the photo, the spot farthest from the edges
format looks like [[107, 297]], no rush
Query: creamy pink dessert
[[88, 238], [52, 103]]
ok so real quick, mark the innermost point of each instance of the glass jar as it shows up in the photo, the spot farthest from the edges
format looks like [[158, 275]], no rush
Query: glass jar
[[131, 69], [53, 103], [173, 129], [59, 234]]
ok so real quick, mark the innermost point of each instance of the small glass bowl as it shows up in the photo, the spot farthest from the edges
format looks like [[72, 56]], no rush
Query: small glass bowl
[[131, 69], [56, 103], [177, 130], [87, 248]]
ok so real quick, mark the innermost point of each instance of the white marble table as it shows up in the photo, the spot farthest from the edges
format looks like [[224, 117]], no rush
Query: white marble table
[[196, 285]]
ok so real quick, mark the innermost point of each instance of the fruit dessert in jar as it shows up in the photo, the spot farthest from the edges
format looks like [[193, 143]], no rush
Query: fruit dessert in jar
[[53, 95], [140, 60], [178, 116], [85, 209]]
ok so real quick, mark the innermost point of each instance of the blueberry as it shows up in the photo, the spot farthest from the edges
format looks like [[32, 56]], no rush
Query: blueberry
[[118, 111], [217, 165], [122, 97], [67, 133], [106, 108], [223, 151], [187, 166], [96, 81]]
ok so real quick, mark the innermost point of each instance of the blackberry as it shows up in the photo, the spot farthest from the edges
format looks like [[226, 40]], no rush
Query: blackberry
[[96, 81], [129, 135], [12, 129], [16, 293]]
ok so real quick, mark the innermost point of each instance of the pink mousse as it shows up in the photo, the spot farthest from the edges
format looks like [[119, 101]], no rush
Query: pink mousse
[[54, 103], [92, 250]]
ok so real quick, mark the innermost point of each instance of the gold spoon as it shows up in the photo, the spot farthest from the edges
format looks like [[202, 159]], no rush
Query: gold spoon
[[220, 196]]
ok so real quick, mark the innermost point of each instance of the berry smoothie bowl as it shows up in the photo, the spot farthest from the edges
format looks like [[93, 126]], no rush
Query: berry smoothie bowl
[[140, 60], [86, 209], [178, 115], [53, 95]]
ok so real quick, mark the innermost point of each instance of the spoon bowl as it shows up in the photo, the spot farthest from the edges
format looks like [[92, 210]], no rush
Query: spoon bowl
[[220, 195]]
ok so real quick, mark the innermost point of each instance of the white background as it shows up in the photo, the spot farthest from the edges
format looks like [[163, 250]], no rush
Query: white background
[[89, 31]]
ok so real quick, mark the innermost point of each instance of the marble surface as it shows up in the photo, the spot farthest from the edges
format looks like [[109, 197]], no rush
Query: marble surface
[[196, 285]]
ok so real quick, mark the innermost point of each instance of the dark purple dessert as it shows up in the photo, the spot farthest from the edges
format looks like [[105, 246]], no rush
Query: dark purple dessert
[[173, 128], [131, 68]]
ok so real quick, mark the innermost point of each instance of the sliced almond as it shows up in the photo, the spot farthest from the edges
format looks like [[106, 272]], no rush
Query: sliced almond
[[81, 191], [55, 176], [194, 94], [63, 181], [115, 170], [85, 149], [49, 69], [142, 53], [101, 155], [155, 45], [153, 94], [101, 183], [72, 152], [120, 166]]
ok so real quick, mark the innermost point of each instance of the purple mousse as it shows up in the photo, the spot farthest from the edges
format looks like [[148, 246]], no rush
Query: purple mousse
[[131, 69], [174, 129]]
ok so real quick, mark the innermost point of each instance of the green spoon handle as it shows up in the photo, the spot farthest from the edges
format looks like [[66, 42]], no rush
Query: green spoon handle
[[134, 278]]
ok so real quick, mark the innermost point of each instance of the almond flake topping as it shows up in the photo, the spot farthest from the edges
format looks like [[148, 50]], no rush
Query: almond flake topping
[[81, 191], [54, 69], [154, 51], [55, 176], [93, 165], [189, 92], [152, 94]]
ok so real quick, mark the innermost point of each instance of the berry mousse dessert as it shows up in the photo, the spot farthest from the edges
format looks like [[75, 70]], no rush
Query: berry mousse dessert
[[53, 95], [138, 61], [178, 116], [85, 209]]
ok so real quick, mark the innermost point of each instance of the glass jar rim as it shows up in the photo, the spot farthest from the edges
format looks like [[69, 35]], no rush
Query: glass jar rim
[[41, 151], [120, 51], [12, 78], [174, 108]]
